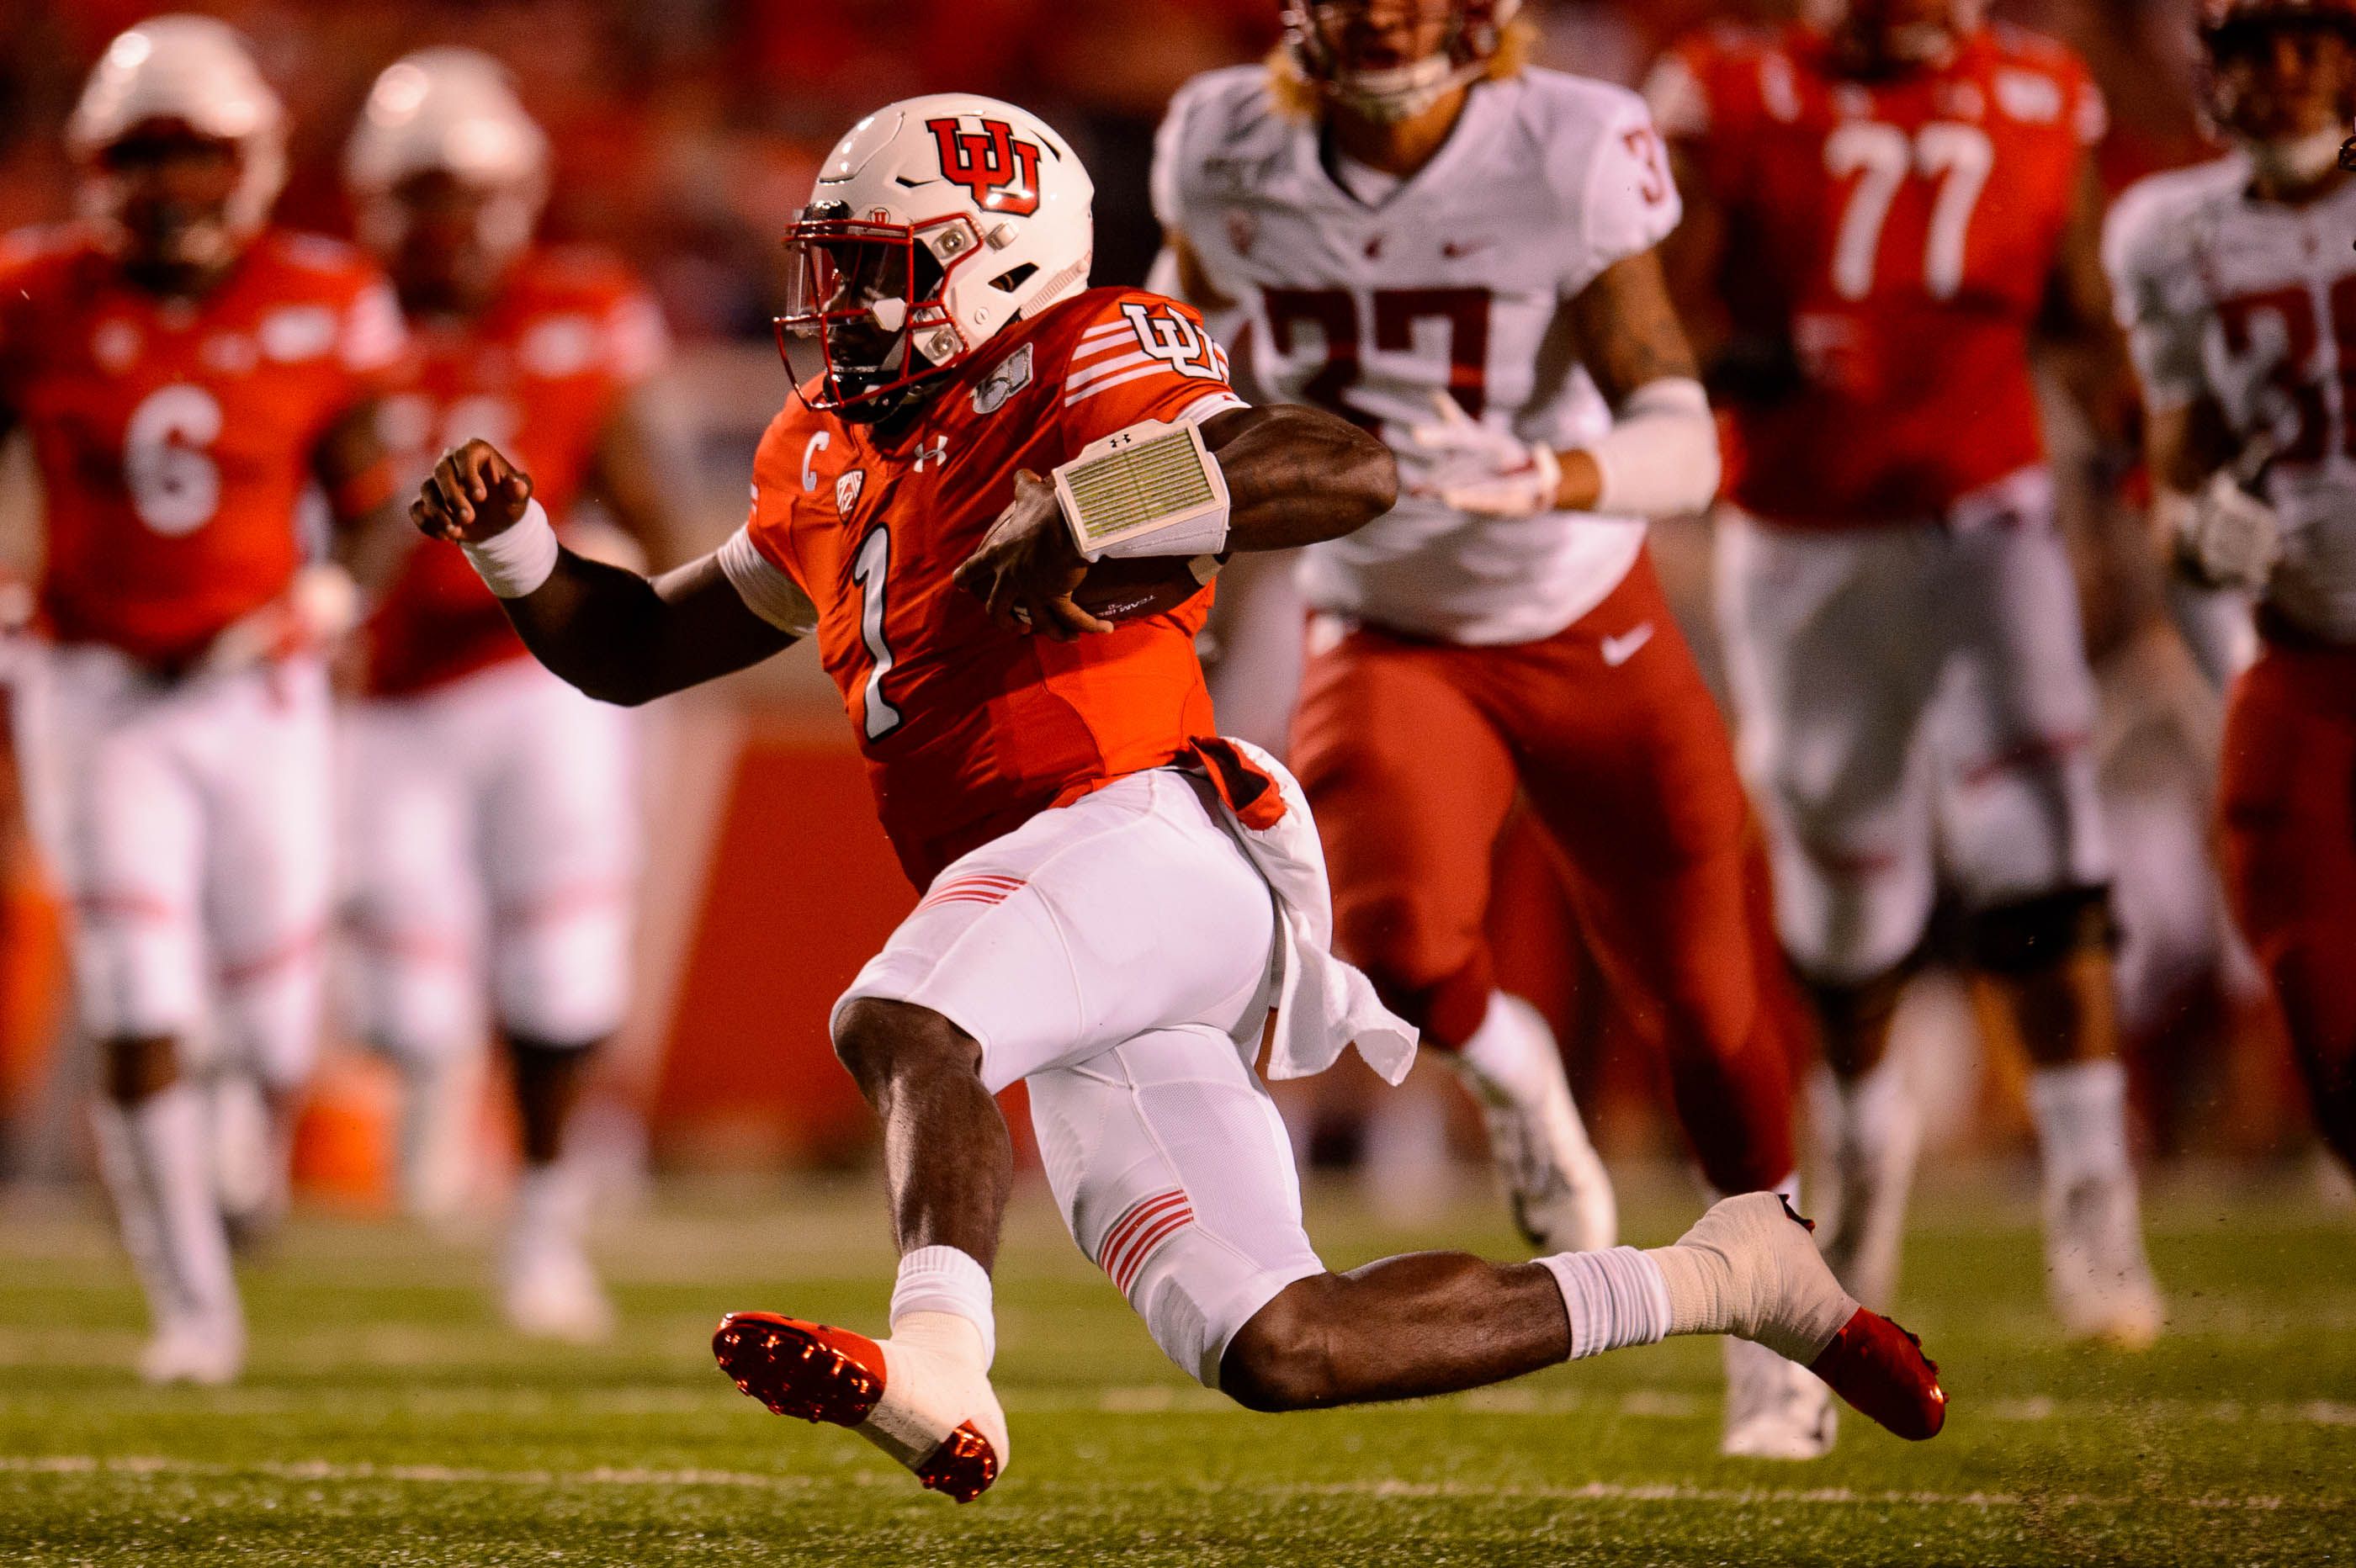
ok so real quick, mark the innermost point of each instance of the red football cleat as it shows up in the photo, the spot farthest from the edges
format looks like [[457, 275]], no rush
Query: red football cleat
[[1880, 1369], [819, 1373]]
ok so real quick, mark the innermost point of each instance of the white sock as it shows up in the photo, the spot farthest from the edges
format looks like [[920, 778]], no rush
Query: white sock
[[1616, 1297], [935, 1282], [552, 1204], [2081, 1111], [154, 1158], [1501, 1052]]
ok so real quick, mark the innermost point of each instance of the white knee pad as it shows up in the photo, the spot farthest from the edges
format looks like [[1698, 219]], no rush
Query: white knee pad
[[270, 1016], [1846, 919], [1174, 1175]]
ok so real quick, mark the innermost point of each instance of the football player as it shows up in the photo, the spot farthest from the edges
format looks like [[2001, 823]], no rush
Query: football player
[[2237, 286], [477, 781], [993, 502], [1430, 239], [185, 373], [1887, 201]]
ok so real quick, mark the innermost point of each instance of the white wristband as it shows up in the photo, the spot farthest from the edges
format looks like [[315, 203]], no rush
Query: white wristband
[[516, 560]]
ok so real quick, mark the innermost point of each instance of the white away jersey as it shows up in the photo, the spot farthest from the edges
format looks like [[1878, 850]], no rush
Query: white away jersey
[[2253, 303], [1454, 283]]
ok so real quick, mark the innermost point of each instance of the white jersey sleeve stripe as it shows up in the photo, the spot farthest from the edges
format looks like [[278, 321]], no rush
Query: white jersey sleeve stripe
[[1103, 368], [1210, 403], [1155, 368]]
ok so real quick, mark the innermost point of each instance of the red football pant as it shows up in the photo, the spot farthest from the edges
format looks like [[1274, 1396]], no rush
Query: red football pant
[[1412, 753], [2288, 803]]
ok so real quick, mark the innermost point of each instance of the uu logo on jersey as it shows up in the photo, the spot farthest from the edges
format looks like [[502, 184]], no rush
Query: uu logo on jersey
[[1001, 172]]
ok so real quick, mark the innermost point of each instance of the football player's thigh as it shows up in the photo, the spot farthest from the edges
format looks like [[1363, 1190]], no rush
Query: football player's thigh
[[1128, 911], [1630, 769], [413, 893], [1833, 676], [125, 823], [561, 831], [267, 744], [1174, 1174], [2015, 728], [1411, 784]]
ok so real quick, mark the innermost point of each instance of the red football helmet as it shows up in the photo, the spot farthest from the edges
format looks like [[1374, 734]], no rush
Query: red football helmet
[[1315, 37], [2238, 100]]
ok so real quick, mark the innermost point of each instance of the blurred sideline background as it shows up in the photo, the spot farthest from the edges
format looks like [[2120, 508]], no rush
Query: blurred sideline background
[[686, 134]]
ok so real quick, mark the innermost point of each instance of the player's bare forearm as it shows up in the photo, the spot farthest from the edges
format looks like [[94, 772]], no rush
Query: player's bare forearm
[[1296, 475], [640, 465], [2077, 334], [618, 636]]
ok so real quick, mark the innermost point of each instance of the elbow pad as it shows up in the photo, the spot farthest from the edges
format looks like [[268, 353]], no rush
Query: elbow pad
[[1660, 459]]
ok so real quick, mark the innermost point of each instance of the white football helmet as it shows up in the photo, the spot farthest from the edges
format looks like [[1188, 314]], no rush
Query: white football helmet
[[194, 72], [450, 111], [935, 222]]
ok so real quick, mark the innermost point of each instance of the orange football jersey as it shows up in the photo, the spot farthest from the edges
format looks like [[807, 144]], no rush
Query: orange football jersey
[[538, 375], [969, 730], [1900, 234], [175, 438]]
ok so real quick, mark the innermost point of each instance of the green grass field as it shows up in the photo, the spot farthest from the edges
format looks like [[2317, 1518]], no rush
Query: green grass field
[[387, 1420]]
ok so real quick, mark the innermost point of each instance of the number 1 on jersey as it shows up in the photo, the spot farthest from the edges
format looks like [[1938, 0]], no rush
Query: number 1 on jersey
[[869, 569]]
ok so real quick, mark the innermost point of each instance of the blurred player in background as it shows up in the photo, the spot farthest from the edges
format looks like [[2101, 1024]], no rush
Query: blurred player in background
[[1457, 252], [1886, 202], [492, 815], [2236, 286], [1115, 897], [186, 373]]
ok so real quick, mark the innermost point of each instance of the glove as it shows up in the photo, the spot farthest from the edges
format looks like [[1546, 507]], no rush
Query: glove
[[2229, 538], [1475, 468]]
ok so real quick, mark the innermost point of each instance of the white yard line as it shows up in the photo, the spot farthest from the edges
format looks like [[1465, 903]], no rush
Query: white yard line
[[322, 1471]]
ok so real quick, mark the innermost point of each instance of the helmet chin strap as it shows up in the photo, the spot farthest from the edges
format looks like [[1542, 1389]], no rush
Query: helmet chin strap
[[1403, 91], [2298, 160]]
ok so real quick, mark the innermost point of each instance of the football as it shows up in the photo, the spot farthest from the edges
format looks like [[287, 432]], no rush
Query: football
[[1139, 586]]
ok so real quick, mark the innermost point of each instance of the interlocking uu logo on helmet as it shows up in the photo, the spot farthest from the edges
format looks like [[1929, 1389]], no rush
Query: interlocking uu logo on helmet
[[1001, 172]]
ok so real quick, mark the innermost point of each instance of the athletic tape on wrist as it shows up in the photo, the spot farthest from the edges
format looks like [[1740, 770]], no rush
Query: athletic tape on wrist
[[516, 560]]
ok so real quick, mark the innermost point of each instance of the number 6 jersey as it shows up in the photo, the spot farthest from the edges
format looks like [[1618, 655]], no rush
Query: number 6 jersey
[[1372, 302], [175, 438], [1900, 235]]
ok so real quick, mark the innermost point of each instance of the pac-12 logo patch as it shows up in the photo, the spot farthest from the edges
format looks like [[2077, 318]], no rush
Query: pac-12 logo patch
[[1002, 171], [1006, 378], [847, 488]]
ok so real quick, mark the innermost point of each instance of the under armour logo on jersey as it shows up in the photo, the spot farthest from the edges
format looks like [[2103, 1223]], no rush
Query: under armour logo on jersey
[[934, 456], [847, 488], [1177, 342], [1001, 172]]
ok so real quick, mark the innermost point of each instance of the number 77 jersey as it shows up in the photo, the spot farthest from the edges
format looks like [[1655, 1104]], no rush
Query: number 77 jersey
[[1900, 235]]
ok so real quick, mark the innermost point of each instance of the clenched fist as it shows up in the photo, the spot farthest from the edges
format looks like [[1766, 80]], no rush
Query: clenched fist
[[473, 494]]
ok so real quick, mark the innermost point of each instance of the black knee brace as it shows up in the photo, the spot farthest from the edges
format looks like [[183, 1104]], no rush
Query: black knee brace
[[2033, 933]]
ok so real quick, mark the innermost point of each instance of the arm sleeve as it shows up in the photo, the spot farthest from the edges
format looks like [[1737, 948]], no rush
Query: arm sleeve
[[766, 588], [1626, 200]]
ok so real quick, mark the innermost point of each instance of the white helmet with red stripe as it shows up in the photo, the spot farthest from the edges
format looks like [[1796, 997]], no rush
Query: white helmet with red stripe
[[934, 223], [454, 112], [192, 75]]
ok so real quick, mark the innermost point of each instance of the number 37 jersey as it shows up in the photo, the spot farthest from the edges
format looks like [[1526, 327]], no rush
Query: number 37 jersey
[[175, 438], [1900, 235], [1454, 284]]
